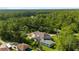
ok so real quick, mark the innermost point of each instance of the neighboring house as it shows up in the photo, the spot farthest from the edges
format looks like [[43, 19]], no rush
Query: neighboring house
[[42, 37], [15, 47], [23, 47], [3, 47], [12, 46]]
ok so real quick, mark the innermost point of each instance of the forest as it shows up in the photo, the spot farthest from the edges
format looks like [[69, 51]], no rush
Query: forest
[[62, 24]]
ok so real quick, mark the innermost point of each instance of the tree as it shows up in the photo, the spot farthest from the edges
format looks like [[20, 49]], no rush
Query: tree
[[67, 41]]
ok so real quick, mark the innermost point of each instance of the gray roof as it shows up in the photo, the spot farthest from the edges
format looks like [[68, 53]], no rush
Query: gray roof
[[48, 43], [47, 36]]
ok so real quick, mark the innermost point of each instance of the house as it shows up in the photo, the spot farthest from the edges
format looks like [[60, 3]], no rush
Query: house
[[4, 47], [42, 37], [39, 36], [15, 47], [12, 46], [23, 47]]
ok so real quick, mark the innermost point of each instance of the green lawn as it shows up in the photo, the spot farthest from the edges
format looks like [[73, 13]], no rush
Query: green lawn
[[45, 48]]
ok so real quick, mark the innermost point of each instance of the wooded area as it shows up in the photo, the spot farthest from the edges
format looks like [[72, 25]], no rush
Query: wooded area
[[64, 24]]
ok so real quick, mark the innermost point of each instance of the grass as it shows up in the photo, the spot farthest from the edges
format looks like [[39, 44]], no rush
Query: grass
[[45, 48]]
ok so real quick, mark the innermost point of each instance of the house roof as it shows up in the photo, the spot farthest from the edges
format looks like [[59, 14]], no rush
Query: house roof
[[47, 36], [39, 35], [48, 42], [3, 47], [22, 46]]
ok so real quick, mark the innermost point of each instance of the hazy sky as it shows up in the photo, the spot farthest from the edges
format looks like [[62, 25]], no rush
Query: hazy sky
[[38, 4]]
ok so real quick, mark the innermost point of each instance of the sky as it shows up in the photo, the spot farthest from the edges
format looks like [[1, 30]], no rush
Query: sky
[[39, 4]]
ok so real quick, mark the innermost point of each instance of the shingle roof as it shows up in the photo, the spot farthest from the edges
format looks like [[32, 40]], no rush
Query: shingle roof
[[48, 42], [39, 35], [3, 47], [22, 46]]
